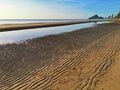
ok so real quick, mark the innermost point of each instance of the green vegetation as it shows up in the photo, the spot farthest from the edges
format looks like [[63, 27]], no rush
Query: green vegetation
[[117, 16]]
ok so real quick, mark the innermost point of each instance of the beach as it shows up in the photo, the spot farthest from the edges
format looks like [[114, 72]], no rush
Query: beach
[[85, 59]]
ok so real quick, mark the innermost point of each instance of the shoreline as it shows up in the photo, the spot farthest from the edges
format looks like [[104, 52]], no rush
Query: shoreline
[[66, 59], [61, 30], [13, 27], [20, 36]]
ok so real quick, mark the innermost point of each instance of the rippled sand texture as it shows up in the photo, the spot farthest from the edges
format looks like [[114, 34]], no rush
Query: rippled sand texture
[[86, 59]]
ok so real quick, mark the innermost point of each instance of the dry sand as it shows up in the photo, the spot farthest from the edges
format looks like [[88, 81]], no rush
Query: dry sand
[[86, 59], [111, 79]]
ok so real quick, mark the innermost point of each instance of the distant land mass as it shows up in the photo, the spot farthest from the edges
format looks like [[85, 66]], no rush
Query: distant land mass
[[96, 17]]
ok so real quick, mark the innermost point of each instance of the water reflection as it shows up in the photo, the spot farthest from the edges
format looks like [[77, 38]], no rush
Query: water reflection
[[13, 36]]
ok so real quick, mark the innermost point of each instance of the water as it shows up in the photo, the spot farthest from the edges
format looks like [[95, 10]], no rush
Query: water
[[22, 35]]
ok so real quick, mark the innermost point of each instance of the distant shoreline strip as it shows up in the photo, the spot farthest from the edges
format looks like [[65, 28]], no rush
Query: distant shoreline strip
[[13, 27]]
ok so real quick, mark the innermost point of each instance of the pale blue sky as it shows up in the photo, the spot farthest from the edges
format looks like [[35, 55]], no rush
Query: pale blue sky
[[57, 9]]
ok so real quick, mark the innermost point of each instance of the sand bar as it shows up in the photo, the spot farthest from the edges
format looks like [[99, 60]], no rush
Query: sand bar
[[12, 27]]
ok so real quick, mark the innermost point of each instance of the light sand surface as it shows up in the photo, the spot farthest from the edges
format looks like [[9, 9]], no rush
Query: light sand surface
[[87, 59], [110, 80]]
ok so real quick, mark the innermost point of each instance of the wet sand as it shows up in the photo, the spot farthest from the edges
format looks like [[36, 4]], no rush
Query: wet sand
[[86, 59]]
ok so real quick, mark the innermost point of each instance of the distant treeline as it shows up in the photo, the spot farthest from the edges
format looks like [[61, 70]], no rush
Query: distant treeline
[[115, 16]]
